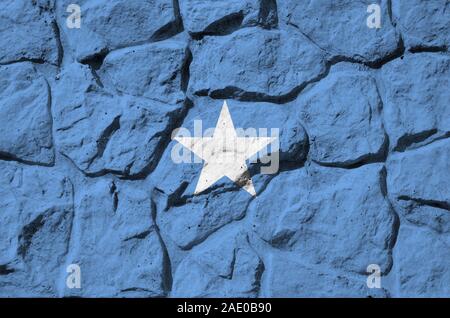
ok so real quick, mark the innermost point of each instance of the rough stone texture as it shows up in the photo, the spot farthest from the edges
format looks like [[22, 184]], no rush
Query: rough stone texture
[[315, 213], [218, 17], [224, 266], [25, 120], [253, 63], [35, 229], [102, 132], [423, 23], [421, 196], [415, 269], [27, 31], [90, 174], [416, 99], [157, 70], [114, 227], [207, 213], [350, 130], [109, 25], [289, 277], [344, 32]]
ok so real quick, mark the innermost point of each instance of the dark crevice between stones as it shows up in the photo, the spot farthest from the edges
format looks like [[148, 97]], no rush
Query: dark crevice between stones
[[178, 17], [175, 121], [167, 264], [291, 165], [6, 270], [115, 196], [97, 78], [409, 140], [426, 202], [268, 14], [27, 233], [135, 289], [25, 59], [176, 198], [229, 276], [224, 26], [106, 135], [59, 45], [233, 92], [5, 156], [185, 70], [376, 64], [390, 14], [281, 240], [139, 236], [379, 157], [395, 230], [171, 29], [95, 62], [431, 49], [115, 201], [50, 118], [168, 31]]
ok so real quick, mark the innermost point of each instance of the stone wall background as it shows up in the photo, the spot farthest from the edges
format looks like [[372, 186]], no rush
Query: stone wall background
[[87, 178]]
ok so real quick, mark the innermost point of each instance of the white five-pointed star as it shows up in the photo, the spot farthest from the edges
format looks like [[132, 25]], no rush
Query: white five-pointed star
[[225, 153]]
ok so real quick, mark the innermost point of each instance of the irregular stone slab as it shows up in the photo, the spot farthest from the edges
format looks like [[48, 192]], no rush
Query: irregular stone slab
[[101, 132], [423, 23], [343, 117], [151, 70], [26, 32], [107, 25], [223, 266], [419, 183], [25, 120], [287, 276], [416, 99], [205, 17], [254, 64], [329, 216], [35, 230], [189, 219], [422, 263], [341, 28], [117, 246]]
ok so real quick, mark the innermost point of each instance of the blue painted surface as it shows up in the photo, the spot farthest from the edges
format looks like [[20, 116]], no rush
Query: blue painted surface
[[86, 157]]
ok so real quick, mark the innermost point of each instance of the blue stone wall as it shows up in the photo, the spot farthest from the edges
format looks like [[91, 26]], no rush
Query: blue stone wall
[[86, 170]]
